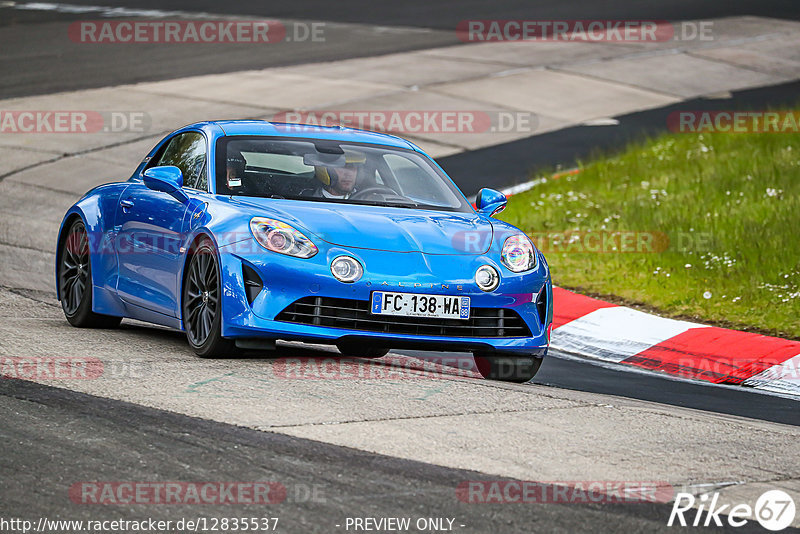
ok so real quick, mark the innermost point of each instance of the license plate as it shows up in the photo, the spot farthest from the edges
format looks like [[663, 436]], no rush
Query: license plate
[[416, 305]]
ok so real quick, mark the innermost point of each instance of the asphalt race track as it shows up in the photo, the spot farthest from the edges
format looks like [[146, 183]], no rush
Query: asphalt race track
[[324, 484], [390, 445], [37, 61]]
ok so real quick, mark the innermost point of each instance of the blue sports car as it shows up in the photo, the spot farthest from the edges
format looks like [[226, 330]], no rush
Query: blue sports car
[[244, 232]]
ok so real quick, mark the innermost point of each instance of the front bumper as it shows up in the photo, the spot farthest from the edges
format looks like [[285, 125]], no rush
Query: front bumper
[[286, 280]]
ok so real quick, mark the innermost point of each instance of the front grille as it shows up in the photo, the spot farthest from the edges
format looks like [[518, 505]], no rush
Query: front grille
[[355, 315]]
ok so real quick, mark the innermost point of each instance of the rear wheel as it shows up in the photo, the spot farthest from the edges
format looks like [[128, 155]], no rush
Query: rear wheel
[[361, 350], [75, 281], [507, 368], [202, 305]]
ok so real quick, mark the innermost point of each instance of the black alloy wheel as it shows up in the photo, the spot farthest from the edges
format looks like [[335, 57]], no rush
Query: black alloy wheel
[[202, 306], [75, 281]]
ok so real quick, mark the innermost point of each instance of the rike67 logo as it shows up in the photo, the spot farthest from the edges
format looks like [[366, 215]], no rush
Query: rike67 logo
[[774, 510]]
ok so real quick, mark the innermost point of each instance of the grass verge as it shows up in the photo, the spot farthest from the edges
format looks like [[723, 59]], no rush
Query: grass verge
[[705, 226]]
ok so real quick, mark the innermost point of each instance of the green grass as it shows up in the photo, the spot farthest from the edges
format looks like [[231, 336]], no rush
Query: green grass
[[729, 205]]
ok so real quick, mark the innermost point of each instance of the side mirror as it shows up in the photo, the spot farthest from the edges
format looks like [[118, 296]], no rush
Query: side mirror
[[167, 179], [490, 202]]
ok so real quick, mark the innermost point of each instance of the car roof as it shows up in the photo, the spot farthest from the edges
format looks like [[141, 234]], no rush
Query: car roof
[[335, 133]]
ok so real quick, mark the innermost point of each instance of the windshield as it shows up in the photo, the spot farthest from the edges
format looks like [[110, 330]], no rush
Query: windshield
[[333, 171]]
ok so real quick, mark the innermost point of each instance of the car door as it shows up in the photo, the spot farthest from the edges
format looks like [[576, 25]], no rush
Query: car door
[[150, 226]]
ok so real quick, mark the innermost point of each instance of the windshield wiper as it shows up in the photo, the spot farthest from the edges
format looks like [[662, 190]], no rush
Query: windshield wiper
[[409, 204]]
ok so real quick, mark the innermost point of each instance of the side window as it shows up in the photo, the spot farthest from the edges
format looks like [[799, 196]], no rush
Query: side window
[[187, 151]]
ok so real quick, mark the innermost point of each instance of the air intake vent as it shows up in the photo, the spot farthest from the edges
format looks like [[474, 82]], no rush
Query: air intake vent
[[541, 304], [252, 283], [355, 315]]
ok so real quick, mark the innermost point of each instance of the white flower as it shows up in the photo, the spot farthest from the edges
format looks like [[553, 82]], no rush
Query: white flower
[[772, 192], [688, 265], [707, 295]]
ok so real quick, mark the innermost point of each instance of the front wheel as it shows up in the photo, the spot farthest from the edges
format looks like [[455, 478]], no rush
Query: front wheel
[[517, 369], [202, 306], [75, 281]]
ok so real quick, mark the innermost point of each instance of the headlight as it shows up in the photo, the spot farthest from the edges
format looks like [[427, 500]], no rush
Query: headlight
[[487, 278], [279, 237], [346, 269], [518, 254]]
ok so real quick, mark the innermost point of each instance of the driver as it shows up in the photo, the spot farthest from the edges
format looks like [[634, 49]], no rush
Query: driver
[[339, 182]]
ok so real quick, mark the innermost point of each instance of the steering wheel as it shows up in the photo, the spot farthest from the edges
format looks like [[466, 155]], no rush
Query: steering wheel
[[375, 190]]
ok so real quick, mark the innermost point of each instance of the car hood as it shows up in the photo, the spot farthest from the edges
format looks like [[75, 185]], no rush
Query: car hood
[[381, 228]]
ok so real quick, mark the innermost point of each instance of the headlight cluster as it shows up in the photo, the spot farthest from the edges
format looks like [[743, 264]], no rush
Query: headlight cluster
[[518, 254], [279, 237]]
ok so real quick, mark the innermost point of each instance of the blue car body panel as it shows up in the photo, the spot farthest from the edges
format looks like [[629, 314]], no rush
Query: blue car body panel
[[139, 253]]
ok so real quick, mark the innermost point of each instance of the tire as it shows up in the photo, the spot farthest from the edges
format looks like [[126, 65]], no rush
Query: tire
[[201, 305], [507, 368], [360, 350], [75, 281]]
